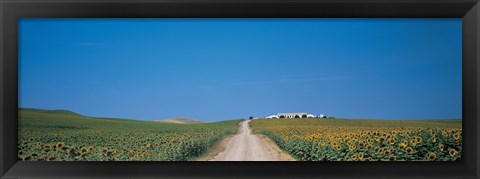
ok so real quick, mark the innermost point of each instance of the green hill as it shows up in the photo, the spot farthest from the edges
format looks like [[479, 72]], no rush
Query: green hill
[[61, 111], [40, 118], [181, 121]]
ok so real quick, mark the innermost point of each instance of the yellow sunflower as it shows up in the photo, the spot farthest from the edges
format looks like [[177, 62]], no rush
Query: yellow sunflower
[[352, 147], [368, 147], [456, 136], [360, 155], [441, 147], [380, 150], [387, 152], [409, 150], [90, 148], [391, 141], [418, 140], [60, 144], [432, 156], [354, 157], [452, 152], [414, 142]]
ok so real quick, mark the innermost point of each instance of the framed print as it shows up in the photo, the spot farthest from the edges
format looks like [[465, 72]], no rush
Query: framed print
[[280, 89]]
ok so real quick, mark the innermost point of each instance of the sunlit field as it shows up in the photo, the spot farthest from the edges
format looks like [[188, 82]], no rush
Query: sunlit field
[[66, 136], [318, 139]]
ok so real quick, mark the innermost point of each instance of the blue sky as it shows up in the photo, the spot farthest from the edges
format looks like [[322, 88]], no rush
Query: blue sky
[[220, 69]]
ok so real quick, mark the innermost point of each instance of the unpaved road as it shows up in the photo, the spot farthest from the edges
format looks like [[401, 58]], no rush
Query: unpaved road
[[246, 146]]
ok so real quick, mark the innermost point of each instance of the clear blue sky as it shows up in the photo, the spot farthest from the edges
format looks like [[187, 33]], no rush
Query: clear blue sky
[[220, 69]]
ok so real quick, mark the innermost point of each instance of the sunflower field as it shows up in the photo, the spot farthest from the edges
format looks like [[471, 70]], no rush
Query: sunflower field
[[60, 136], [364, 140]]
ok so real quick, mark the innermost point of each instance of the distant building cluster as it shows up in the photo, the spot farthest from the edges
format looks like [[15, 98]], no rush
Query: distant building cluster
[[295, 115]]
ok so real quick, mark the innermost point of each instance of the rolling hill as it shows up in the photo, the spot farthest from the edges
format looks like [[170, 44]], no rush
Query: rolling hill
[[181, 121], [41, 118]]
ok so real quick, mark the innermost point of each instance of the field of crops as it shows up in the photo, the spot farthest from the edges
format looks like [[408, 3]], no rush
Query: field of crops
[[67, 136], [365, 140]]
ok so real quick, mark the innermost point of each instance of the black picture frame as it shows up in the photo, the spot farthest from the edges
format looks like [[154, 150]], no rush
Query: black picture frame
[[11, 10]]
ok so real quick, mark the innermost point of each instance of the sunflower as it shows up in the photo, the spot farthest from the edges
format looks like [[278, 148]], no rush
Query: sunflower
[[409, 150], [322, 143], [432, 156], [49, 154], [368, 147], [391, 141], [444, 133], [380, 150], [90, 148], [414, 142], [387, 152], [352, 147], [456, 136], [441, 147], [360, 155], [354, 157], [434, 139], [148, 145], [60, 144], [339, 147], [452, 152], [83, 149], [403, 143], [418, 140]]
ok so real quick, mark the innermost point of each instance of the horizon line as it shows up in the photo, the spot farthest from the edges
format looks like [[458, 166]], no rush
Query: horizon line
[[455, 118]]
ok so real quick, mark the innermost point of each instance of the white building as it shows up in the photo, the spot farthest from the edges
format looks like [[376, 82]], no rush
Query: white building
[[271, 116], [294, 115], [291, 115]]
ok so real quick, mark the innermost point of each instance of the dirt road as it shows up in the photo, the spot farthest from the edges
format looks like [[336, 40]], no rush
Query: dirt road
[[246, 146]]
